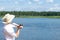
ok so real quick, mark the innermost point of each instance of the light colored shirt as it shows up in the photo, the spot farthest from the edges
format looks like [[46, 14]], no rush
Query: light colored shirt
[[9, 32]]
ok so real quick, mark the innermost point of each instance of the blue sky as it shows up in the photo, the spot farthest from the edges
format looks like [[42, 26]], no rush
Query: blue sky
[[29, 5]]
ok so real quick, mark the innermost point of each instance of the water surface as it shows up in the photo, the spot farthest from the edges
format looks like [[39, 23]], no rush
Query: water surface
[[37, 29]]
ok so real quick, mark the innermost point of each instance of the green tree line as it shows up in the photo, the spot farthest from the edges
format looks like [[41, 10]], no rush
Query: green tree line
[[30, 13]]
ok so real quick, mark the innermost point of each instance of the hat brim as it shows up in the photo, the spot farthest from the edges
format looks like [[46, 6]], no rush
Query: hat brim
[[9, 18]]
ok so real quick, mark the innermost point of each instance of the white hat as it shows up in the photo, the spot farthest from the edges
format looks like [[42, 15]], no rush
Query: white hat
[[8, 18]]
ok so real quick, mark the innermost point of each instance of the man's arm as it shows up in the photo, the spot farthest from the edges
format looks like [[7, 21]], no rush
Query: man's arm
[[18, 30]]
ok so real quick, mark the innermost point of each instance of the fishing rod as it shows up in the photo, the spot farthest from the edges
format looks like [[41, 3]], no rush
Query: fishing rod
[[20, 26]]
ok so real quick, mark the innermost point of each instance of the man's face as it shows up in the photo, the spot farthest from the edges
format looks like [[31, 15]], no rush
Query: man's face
[[5, 20]]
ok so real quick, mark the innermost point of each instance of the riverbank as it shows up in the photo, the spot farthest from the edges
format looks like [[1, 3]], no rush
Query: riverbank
[[39, 16], [36, 17]]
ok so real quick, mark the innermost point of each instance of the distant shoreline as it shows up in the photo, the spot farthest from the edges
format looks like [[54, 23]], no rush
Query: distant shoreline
[[35, 16], [38, 17]]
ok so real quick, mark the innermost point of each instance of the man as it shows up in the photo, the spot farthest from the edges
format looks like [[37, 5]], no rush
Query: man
[[8, 29]]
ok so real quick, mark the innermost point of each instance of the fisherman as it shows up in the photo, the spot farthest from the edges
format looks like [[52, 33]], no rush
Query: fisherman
[[8, 29]]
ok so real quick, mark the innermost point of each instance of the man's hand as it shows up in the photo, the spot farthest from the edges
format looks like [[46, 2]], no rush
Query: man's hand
[[20, 26]]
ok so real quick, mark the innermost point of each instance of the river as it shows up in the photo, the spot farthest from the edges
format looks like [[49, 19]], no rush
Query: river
[[37, 29]]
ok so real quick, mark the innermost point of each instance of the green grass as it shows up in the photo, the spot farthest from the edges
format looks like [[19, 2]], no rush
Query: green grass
[[52, 16], [39, 16], [36, 17]]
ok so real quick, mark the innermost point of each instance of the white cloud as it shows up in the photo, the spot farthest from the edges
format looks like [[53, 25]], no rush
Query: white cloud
[[40, 2], [16, 2], [54, 9], [2, 8], [21, 0], [56, 5], [29, 2], [36, 0], [50, 1]]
